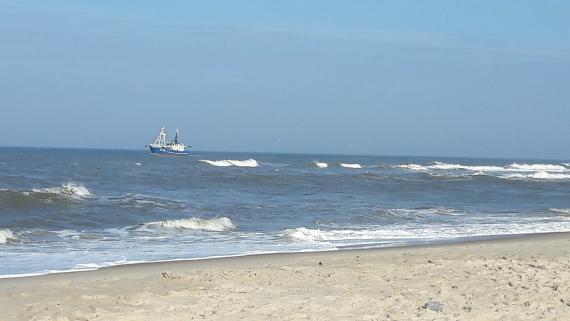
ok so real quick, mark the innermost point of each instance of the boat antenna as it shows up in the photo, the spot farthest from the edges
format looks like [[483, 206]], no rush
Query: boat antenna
[[176, 136]]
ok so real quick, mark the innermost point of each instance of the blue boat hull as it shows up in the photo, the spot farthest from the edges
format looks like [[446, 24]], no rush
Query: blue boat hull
[[164, 151]]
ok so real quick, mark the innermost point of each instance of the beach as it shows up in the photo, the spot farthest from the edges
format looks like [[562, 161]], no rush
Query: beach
[[518, 278]]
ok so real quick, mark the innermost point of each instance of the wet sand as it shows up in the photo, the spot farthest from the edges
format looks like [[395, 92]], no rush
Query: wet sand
[[520, 278]]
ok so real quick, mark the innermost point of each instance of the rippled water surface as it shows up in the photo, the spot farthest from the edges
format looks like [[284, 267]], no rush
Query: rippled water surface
[[83, 209]]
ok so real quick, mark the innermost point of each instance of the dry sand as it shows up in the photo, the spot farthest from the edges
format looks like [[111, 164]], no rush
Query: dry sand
[[523, 278]]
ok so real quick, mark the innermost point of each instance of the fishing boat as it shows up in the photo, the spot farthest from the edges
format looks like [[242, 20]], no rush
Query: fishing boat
[[163, 147]]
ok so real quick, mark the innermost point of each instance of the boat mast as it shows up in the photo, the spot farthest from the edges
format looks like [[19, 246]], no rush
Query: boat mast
[[161, 139], [176, 137]]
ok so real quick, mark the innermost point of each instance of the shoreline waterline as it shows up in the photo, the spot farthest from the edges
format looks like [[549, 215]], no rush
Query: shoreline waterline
[[467, 281], [494, 239]]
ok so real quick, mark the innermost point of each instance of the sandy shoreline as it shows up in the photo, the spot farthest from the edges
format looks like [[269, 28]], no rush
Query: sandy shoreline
[[519, 278]]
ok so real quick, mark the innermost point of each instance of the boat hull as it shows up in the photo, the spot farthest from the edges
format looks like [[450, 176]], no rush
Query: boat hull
[[166, 151]]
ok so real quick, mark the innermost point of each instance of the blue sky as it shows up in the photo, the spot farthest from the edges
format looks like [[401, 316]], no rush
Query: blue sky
[[442, 78]]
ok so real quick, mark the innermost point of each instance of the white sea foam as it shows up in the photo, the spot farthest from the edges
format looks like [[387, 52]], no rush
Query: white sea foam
[[539, 172], [445, 166], [540, 176], [414, 167], [219, 163], [96, 266], [321, 164], [230, 162], [425, 233], [348, 165], [476, 168], [70, 190], [536, 167], [6, 235], [563, 211], [312, 235], [69, 234], [212, 225]]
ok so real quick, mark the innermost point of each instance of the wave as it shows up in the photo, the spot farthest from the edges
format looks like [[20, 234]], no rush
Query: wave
[[69, 234], [562, 211], [69, 190], [306, 234], [536, 167], [348, 165], [419, 212], [477, 168], [423, 233], [535, 172], [142, 201], [273, 164], [212, 225], [447, 166], [413, 167], [6, 235], [486, 168], [229, 162], [537, 176], [321, 164], [65, 192]]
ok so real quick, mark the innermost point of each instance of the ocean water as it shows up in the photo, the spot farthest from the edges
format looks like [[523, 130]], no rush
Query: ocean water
[[63, 210]]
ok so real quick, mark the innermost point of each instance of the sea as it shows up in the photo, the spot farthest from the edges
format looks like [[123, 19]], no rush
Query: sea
[[80, 209]]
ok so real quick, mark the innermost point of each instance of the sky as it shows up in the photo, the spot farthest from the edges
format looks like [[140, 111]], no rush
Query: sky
[[433, 78]]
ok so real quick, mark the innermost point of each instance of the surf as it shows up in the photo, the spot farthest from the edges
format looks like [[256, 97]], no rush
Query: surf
[[350, 165], [6, 235], [320, 164], [538, 176], [230, 162], [69, 192], [209, 225]]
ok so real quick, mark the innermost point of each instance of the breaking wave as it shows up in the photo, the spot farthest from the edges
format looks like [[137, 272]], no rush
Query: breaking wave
[[6, 235], [65, 192], [562, 211], [321, 164], [212, 225], [347, 165], [538, 176], [413, 167], [306, 234], [427, 233], [228, 162], [536, 167], [536, 172], [477, 168], [486, 168], [69, 190]]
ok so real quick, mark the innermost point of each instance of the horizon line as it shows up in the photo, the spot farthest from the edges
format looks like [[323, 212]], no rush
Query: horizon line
[[294, 153]]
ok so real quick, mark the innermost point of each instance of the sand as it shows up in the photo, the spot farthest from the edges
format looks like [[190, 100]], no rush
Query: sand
[[522, 278]]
